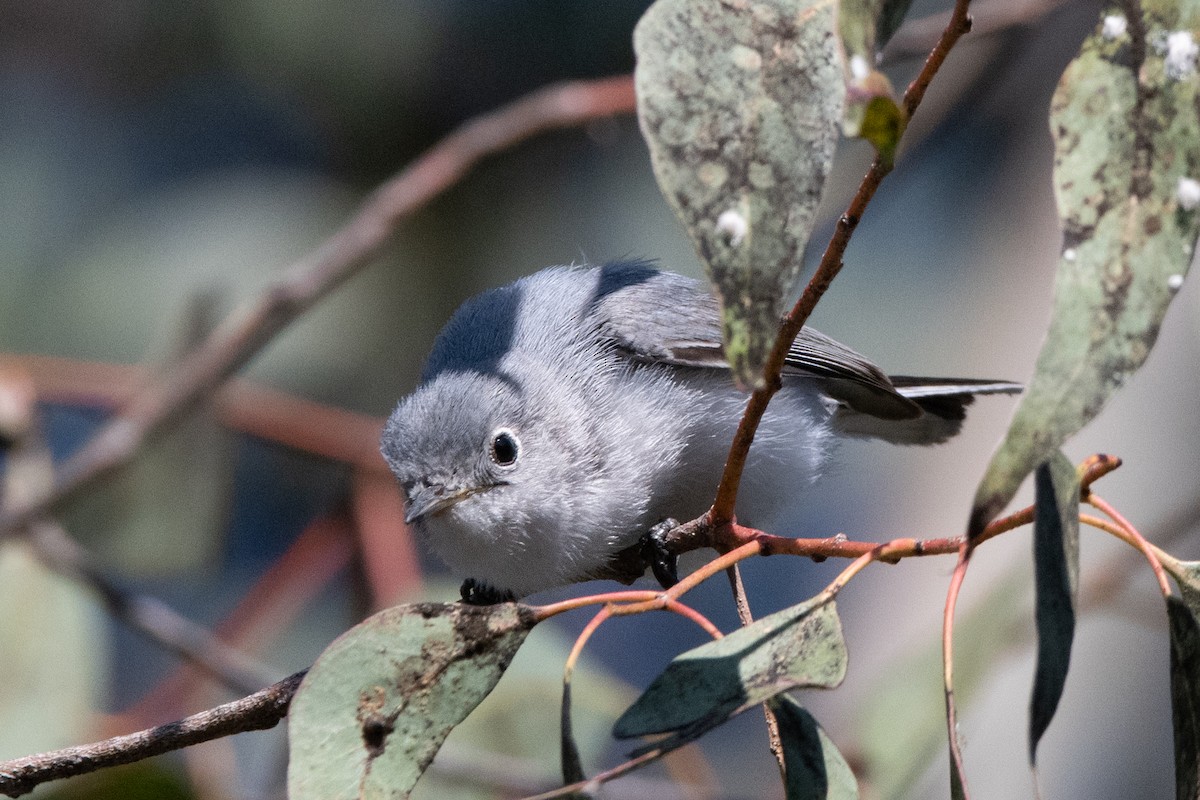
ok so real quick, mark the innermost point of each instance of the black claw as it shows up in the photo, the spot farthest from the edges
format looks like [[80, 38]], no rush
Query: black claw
[[662, 562], [478, 593]]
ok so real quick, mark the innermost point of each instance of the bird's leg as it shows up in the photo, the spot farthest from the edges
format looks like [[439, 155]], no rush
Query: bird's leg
[[663, 563], [478, 593]]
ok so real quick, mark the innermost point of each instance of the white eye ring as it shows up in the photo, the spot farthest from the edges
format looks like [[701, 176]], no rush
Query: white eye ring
[[504, 447]]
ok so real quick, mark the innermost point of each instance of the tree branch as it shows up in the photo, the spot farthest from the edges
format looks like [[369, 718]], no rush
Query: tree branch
[[259, 711], [148, 615]]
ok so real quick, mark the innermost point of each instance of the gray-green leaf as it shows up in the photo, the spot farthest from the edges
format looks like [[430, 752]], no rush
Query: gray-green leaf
[[1056, 569], [741, 103], [815, 769], [702, 688], [1185, 697], [1126, 127], [379, 702]]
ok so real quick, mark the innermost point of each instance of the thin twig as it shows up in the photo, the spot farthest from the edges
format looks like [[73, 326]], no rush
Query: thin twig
[[742, 603], [259, 711], [958, 770], [1138, 540], [315, 275], [155, 619]]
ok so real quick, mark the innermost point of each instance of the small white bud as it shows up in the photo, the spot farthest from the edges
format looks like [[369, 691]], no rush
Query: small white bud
[[1069, 254], [1182, 52], [859, 68], [732, 226], [1187, 193], [1174, 282], [1114, 27]]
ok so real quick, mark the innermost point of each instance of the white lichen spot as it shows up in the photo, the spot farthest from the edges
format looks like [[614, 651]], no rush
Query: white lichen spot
[[746, 58], [1187, 194], [859, 68], [1174, 282], [733, 227], [1182, 52], [1114, 26], [1069, 254]]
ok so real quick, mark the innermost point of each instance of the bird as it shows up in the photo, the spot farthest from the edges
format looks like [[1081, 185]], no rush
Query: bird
[[560, 418]]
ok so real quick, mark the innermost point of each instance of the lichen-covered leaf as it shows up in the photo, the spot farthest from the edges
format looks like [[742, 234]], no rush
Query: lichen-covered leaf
[[702, 688], [1185, 697], [376, 706], [740, 102], [815, 769], [1056, 571], [1126, 127], [1187, 577]]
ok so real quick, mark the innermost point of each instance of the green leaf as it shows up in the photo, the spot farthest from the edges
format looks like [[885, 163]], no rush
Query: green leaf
[[882, 124], [1126, 127], [376, 706], [740, 103], [872, 111], [1185, 697], [1056, 571], [815, 769], [704, 687]]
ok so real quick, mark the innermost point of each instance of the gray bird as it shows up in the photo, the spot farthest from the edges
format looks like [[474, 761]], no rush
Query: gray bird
[[562, 417]]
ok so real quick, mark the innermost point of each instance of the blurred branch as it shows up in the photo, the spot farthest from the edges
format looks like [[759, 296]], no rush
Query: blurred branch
[[147, 615], [240, 405], [310, 563], [244, 333], [28, 471], [259, 711]]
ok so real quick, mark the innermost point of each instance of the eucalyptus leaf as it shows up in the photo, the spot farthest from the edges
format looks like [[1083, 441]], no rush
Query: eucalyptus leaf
[[1126, 126], [740, 102], [1187, 577], [376, 706], [815, 769], [1185, 697], [702, 688], [1056, 571]]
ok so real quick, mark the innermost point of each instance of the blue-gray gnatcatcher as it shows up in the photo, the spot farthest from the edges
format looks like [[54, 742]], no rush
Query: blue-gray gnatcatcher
[[561, 417]]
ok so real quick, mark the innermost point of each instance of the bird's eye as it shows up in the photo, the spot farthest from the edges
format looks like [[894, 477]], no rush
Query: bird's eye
[[505, 447]]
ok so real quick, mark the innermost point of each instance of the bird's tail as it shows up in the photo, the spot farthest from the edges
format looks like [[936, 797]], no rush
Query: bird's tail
[[944, 401]]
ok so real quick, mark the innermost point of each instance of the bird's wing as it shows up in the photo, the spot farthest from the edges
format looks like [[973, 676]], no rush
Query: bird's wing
[[661, 317]]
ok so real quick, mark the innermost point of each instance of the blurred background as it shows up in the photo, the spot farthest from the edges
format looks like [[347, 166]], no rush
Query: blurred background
[[161, 161]]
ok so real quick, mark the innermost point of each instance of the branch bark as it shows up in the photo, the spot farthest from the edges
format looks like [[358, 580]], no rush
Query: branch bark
[[259, 711]]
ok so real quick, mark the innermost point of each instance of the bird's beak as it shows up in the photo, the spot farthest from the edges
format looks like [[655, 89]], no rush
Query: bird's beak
[[426, 499]]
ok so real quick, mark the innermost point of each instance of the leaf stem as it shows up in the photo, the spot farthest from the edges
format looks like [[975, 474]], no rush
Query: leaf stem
[[1135, 538]]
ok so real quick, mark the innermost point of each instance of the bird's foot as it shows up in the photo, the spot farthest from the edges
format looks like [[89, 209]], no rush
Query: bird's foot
[[478, 593], [663, 563]]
